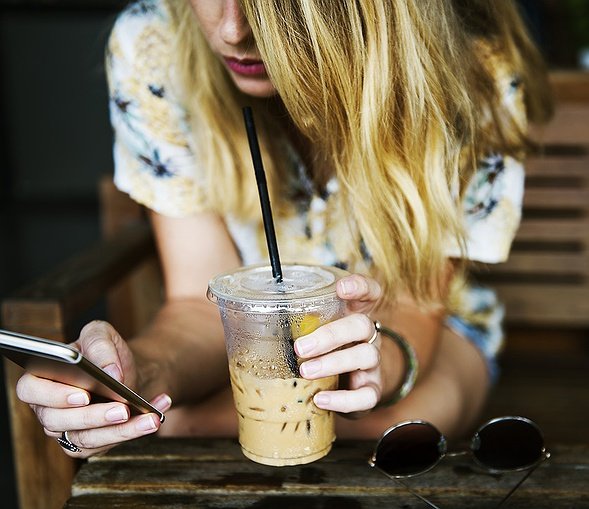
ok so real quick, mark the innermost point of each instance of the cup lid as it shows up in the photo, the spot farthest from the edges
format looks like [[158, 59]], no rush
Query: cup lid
[[254, 285]]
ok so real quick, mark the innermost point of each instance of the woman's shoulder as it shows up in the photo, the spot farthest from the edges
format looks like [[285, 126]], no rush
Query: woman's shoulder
[[140, 65], [140, 12], [142, 28]]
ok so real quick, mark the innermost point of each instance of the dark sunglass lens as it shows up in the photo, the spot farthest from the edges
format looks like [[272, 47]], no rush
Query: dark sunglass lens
[[508, 444], [409, 449]]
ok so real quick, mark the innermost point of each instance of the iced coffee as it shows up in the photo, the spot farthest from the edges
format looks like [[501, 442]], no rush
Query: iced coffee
[[278, 422]]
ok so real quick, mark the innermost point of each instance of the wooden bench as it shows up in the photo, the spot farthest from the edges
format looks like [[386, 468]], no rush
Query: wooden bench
[[546, 279]]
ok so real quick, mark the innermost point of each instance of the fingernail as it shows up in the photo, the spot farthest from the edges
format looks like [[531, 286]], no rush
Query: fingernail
[[162, 402], [78, 398], [146, 423], [310, 367], [321, 399], [116, 414], [114, 371], [305, 345], [348, 286]]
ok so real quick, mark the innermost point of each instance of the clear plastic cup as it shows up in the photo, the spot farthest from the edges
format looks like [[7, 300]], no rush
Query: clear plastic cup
[[278, 422]]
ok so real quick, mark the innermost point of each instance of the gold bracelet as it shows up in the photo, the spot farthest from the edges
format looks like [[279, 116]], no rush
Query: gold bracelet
[[410, 361]]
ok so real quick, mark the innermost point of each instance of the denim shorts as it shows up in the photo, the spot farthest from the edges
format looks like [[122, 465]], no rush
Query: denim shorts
[[482, 324]]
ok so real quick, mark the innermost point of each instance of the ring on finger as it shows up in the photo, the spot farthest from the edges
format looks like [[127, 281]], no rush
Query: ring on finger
[[67, 444], [375, 334]]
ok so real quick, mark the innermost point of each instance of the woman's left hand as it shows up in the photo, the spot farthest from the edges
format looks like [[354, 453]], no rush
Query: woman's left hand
[[342, 347]]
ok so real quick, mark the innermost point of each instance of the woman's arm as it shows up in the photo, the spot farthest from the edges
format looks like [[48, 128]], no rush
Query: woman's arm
[[183, 351], [181, 354]]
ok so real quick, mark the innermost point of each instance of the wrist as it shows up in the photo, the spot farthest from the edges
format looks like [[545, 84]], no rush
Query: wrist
[[408, 374]]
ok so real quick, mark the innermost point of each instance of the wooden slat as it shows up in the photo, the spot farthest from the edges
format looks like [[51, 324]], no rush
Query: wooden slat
[[570, 86], [544, 263], [568, 127], [556, 230], [545, 304], [557, 166], [557, 198]]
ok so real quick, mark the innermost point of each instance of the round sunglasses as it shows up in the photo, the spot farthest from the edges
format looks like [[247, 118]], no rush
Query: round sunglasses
[[503, 444]]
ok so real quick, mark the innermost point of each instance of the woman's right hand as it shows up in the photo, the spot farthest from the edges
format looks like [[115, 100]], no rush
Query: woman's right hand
[[93, 427]]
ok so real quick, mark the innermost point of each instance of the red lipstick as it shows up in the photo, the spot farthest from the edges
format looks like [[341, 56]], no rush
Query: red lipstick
[[246, 66]]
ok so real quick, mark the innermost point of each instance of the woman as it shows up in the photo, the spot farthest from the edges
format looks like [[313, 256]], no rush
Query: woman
[[392, 135]]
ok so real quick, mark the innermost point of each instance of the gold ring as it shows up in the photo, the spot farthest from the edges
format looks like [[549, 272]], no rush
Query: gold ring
[[376, 331]]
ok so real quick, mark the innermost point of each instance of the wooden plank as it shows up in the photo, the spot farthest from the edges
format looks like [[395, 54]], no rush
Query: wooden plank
[[569, 126], [555, 230], [557, 166], [42, 318], [393, 498], [570, 85], [574, 198], [545, 304], [543, 263], [166, 475]]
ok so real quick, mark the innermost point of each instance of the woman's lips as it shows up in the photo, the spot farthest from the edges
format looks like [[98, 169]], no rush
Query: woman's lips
[[246, 66]]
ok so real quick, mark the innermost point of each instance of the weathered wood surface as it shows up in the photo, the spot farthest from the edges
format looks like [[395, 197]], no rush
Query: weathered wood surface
[[209, 473]]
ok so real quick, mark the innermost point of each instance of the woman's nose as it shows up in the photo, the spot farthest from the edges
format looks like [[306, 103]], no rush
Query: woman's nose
[[234, 26]]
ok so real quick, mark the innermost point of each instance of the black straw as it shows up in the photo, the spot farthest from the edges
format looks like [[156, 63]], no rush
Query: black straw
[[252, 138]]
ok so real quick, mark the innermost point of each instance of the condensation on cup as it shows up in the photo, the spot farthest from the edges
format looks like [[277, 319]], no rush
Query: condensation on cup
[[278, 422]]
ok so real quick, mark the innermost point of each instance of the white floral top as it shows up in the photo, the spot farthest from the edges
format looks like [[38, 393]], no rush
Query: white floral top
[[155, 165]]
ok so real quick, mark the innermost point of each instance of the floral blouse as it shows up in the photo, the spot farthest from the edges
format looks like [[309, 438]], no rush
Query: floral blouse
[[156, 166]]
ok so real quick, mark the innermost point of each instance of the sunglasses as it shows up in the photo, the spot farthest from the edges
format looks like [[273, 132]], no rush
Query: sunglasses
[[503, 444]]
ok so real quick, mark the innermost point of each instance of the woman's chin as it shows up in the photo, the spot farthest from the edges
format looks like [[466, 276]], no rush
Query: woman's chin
[[255, 86]]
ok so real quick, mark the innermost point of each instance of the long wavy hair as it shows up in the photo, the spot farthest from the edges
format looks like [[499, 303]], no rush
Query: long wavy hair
[[389, 94]]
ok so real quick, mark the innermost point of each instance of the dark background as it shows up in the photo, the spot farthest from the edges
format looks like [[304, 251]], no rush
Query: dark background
[[55, 137]]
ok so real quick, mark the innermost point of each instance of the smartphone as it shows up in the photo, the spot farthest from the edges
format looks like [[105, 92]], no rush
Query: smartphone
[[62, 363]]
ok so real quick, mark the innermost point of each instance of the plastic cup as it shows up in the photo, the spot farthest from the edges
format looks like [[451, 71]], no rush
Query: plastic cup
[[278, 422]]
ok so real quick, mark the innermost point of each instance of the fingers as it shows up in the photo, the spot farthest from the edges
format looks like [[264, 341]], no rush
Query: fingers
[[98, 342], [97, 416], [350, 329], [40, 391], [363, 356], [112, 435], [99, 427], [358, 400], [361, 292], [92, 416], [96, 440]]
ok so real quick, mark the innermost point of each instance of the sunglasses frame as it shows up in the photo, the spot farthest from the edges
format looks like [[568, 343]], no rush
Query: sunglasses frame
[[543, 453], [443, 453]]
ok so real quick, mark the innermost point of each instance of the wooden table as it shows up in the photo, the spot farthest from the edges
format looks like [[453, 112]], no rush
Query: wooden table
[[195, 473]]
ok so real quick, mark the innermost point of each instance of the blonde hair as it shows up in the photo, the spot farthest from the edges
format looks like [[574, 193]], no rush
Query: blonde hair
[[388, 93]]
